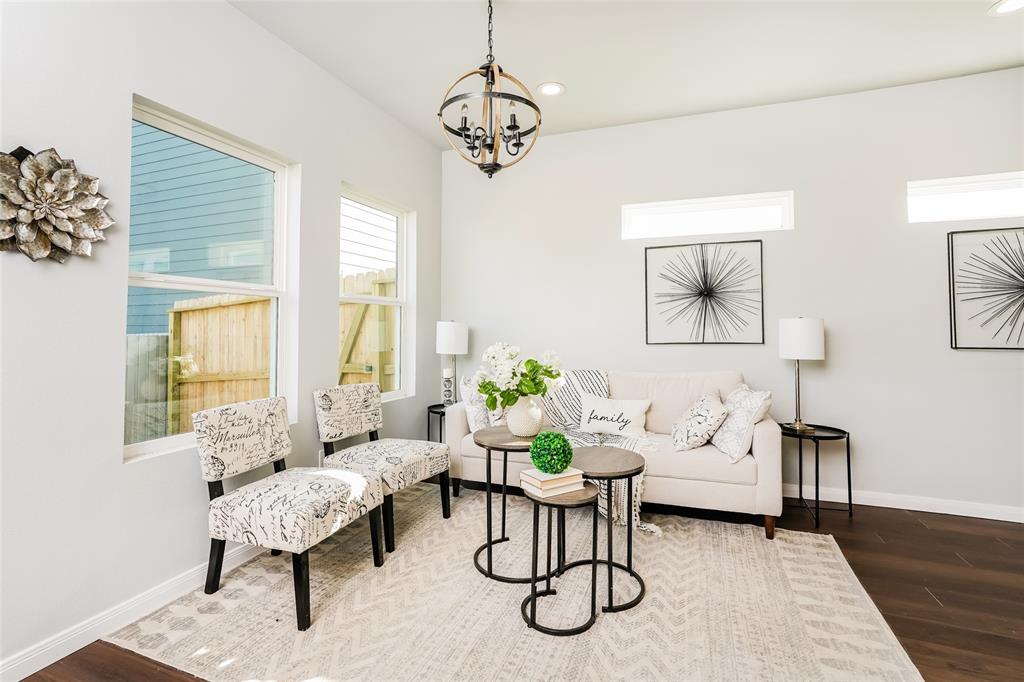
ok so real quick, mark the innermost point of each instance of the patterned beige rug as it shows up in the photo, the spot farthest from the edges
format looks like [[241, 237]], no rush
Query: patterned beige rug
[[722, 603]]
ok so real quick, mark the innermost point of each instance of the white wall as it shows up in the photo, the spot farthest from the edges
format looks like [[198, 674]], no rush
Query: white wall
[[534, 257], [83, 531]]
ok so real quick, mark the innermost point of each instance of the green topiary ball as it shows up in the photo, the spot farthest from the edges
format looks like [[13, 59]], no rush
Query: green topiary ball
[[551, 452]]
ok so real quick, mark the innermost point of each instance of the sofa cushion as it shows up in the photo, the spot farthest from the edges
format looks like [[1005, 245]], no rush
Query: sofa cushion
[[706, 463], [671, 395]]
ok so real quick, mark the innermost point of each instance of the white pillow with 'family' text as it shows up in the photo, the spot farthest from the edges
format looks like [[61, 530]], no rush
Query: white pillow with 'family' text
[[618, 417]]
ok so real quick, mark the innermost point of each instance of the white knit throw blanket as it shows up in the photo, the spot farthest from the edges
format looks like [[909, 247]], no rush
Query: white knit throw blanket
[[619, 512]]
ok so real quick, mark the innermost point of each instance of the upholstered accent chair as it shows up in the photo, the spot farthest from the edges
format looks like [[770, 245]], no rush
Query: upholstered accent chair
[[354, 409], [290, 510]]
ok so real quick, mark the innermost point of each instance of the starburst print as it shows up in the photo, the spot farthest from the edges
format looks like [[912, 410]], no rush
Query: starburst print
[[712, 291], [990, 283]]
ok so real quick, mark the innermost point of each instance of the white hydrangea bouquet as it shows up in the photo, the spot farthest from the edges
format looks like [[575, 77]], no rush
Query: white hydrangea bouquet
[[509, 382]]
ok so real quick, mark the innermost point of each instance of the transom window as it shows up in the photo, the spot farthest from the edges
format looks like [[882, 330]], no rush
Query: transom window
[[205, 278], [765, 212]]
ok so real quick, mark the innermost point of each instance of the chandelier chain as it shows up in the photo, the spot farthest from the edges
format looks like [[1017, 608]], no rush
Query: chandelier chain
[[490, 32]]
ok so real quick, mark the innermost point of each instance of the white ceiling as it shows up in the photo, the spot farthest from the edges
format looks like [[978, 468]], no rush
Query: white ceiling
[[624, 62]]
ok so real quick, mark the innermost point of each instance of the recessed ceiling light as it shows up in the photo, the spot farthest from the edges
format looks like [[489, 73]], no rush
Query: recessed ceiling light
[[551, 88], [1005, 7]]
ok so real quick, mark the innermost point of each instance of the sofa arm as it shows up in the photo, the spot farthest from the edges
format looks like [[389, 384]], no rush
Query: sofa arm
[[767, 452], [456, 428]]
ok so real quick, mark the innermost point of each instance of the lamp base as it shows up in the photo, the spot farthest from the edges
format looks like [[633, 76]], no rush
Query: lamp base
[[800, 426]]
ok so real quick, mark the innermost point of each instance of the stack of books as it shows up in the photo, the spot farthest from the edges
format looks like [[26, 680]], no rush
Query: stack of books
[[539, 484]]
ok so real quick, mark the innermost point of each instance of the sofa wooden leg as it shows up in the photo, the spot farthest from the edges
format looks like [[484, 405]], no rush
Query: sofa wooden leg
[[456, 485], [275, 552], [215, 565], [300, 574], [769, 527], [446, 503]]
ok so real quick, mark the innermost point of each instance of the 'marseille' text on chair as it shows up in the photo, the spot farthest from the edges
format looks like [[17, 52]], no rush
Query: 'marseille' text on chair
[[290, 510]]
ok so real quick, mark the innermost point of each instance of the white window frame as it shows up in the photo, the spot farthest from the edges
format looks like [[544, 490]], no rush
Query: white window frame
[[404, 300], [950, 189], [698, 217], [280, 368]]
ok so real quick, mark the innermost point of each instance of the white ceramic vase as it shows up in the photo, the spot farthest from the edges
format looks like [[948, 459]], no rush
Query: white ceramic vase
[[524, 418]]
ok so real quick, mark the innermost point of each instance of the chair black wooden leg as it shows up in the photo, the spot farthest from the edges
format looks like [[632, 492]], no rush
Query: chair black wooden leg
[[216, 563], [300, 573], [456, 486], [389, 523], [446, 502], [378, 555], [275, 552]]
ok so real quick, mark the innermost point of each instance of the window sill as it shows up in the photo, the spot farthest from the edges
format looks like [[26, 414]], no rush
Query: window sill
[[394, 396], [137, 452]]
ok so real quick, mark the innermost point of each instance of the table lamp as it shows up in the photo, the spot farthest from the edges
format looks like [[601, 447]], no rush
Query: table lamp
[[801, 338], [452, 340]]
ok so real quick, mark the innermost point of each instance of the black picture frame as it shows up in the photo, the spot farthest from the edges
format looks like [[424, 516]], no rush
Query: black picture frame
[[647, 292], [951, 238]]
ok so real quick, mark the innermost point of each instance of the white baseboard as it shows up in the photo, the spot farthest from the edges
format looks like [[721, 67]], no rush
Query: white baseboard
[[980, 510], [38, 656]]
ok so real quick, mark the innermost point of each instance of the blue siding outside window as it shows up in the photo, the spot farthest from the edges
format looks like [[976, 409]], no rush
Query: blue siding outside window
[[195, 212]]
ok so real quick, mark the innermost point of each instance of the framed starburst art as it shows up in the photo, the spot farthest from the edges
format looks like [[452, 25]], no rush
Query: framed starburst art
[[986, 289], [704, 293]]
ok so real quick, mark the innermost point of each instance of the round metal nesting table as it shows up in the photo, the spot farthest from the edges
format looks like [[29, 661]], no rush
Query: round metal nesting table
[[586, 497], [501, 439], [609, 464]]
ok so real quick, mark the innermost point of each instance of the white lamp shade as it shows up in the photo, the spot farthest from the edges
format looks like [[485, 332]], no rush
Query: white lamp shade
[[802, 338], [452, 338]]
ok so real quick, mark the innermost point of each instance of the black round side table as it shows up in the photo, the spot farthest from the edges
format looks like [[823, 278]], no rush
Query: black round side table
[[438, 411], [501, 439], [586, 497], [609, 464], [817, 433]]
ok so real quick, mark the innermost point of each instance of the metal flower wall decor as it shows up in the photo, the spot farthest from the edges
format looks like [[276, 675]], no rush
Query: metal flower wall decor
[[47, 207]]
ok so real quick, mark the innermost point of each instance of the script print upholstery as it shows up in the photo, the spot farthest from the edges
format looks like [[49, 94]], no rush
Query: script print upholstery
[[398, 463], [348, 410], [237, 438], [294, 509]]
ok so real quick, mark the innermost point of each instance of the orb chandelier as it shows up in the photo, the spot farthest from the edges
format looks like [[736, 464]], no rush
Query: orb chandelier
[[496, 142]]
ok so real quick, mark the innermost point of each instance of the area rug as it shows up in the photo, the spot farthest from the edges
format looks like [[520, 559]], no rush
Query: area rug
[[722, 603]]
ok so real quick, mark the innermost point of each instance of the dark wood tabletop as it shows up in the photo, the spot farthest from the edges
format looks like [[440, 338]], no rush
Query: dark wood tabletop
[[577, 498], [607, 462], [500, 438]]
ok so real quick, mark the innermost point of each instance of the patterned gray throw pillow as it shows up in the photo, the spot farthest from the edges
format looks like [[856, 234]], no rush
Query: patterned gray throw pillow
[[699, 423]]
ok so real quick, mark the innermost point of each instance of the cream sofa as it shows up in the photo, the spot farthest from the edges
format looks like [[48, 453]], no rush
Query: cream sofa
[[702, 478]]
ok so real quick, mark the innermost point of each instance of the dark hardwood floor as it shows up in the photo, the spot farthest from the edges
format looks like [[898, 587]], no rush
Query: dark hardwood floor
[[950, 587]]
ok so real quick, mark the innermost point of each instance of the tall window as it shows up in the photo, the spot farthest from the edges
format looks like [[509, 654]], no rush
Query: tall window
[[205, 278], [372, 295]]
